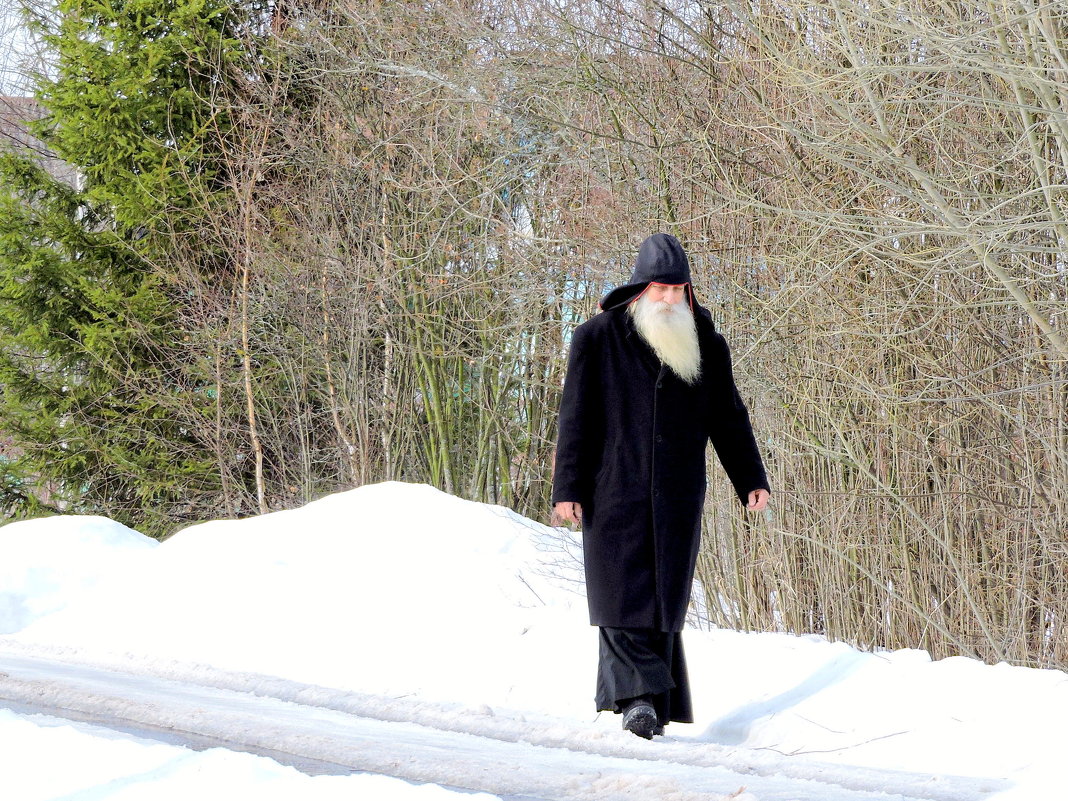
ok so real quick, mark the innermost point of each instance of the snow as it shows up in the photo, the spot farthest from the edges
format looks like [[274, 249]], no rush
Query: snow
[[99, 765], [417, 622], [333, 593], [46, 562]]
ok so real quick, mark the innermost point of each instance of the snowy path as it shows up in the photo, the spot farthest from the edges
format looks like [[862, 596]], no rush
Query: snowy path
[[322, 730]]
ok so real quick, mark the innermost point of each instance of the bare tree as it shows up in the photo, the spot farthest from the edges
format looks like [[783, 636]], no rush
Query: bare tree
[[428, 197]]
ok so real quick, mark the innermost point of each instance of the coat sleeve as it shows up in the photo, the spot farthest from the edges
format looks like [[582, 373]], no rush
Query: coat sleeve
[[576, 427], [730, 430]]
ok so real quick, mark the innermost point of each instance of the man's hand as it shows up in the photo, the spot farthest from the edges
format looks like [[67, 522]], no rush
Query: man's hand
[[758, 499], [566, 512]]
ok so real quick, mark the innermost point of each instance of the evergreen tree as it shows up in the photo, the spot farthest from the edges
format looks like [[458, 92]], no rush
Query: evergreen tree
[[97, 393]]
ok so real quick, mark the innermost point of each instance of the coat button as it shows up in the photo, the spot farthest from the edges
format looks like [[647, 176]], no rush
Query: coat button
[[659, 384], [659, 438]]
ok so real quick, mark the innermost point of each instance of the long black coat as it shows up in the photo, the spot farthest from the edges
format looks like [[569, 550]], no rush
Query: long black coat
[[631, 450]]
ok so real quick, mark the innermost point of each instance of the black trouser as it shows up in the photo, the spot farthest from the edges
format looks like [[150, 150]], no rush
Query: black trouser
[[644, 662]]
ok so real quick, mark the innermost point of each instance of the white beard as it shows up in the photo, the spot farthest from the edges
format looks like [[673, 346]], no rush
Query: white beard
[[670, 330]]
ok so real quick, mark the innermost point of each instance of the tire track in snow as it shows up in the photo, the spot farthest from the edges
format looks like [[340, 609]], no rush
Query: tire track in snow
[[328, 730]]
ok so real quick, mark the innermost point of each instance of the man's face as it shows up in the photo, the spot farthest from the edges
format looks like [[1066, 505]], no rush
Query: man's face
[[667, 293]]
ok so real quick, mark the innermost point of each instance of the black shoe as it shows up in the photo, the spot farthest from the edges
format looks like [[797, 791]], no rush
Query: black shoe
[[639, 718]]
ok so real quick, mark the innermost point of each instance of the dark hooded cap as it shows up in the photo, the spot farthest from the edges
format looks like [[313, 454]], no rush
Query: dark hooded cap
[[660, 259]]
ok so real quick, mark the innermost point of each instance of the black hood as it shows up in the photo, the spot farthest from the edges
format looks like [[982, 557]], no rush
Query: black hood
[[660, 259]]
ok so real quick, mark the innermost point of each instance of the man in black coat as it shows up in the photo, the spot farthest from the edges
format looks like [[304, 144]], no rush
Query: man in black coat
[[648, 384]]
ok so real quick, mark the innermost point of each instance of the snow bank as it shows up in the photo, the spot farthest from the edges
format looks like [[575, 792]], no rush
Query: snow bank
[[807, 698], [404, 592], [391, 588], [48, 562]]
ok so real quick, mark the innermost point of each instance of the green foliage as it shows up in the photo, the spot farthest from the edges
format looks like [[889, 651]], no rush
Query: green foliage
[[97, 395], [89, 394], [19, 497], [133, 103]]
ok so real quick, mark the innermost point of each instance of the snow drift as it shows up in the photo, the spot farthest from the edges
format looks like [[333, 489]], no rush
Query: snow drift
[[402, 591]]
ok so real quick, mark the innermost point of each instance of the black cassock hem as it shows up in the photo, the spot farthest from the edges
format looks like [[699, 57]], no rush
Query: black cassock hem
[[644, 662]]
